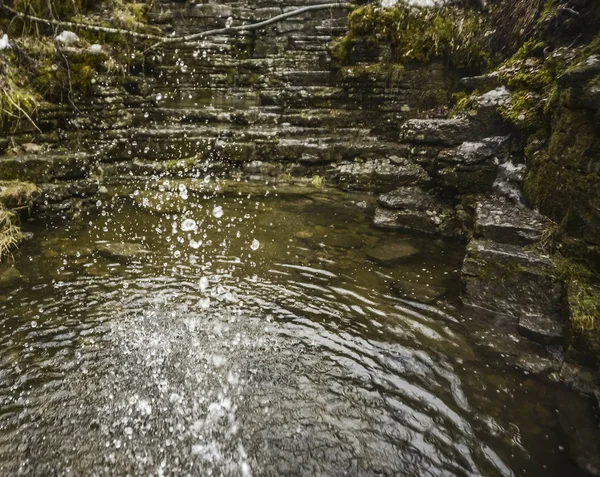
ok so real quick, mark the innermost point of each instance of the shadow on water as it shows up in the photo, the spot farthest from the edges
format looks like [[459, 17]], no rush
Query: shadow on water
[[192, 328]]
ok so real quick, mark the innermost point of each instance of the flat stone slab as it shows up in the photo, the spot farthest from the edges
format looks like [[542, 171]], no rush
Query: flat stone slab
[[506, 222], [391, 253]]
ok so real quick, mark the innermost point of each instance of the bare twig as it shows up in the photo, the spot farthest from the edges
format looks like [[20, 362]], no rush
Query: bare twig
[[85, 26], [252, 26], [568, 10], [186, 38]]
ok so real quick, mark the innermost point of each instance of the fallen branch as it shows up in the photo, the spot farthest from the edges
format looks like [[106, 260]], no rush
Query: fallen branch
[[252, 26], [179, 39]]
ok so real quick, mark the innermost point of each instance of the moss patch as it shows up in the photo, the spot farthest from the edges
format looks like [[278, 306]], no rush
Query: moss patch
[[416, 35]]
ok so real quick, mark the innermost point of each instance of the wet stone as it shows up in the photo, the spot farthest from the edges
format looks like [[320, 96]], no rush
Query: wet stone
[[447, 132], [520, 283], [407, 198], [391, 253], [502, 221], [541, 329], [379, 174], [411, 208], [537, 365], [470, 168]]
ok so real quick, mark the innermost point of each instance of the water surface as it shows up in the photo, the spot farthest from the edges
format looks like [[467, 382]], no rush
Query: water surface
[[244, 331]]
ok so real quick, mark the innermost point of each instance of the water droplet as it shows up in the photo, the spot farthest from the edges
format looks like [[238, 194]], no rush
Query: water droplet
[[218, 212], [255, 244], [194, 244], [159, 96], [183, 192], [203, 284], [205, 303], [188, 225]]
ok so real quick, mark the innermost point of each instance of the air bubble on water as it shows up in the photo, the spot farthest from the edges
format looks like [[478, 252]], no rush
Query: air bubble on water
[[177, 254], [218, 212], [255, 244], [189, 225], [183, 192], [203, 284], [194, 244]]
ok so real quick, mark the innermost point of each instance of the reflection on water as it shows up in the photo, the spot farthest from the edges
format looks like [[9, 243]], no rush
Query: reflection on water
[[194, 329]]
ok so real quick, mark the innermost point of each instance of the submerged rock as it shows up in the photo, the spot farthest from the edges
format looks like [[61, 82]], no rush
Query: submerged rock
[[523, 284], [10, 277], [420, 292], [391, 253], [125, 252]]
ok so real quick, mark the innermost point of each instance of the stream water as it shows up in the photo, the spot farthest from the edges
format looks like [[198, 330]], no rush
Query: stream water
[[204, 328]]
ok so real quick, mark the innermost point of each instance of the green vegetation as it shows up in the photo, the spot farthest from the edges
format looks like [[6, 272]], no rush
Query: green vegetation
[[36, 69], [10, 233], [416, 35]]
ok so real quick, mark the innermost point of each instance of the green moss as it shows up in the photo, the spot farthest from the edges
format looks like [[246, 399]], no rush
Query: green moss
[[583, 294], [180, 165], [416, 35], [524, 111], [464, 104]]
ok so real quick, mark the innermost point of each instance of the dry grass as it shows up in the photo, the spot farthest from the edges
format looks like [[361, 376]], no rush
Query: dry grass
[[15, 194], [10, 233]]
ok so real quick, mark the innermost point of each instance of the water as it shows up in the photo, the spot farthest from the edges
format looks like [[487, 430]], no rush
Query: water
[[204, 328]]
